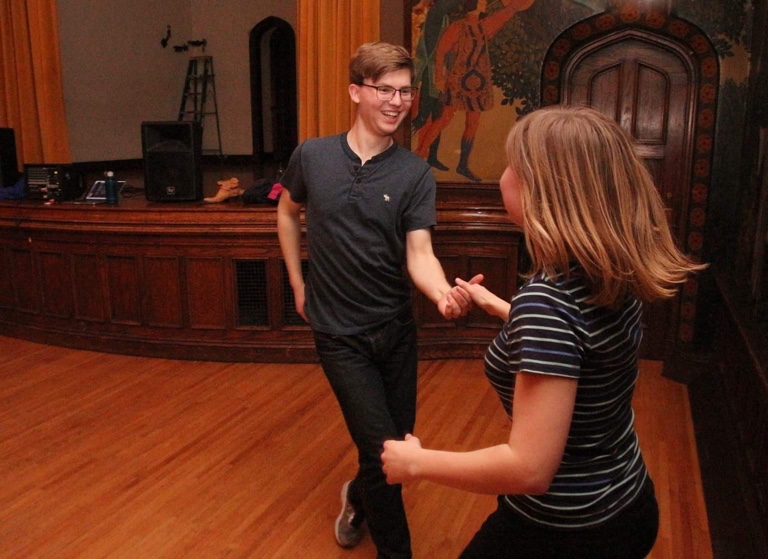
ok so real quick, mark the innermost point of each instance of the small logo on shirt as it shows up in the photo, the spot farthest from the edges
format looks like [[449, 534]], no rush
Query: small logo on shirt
[[386, 197]]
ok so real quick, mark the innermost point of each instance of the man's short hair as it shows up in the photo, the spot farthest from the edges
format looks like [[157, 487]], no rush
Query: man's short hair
[[373, 60]]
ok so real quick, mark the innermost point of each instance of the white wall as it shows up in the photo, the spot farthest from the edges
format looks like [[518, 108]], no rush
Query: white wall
[[226, 26], [116, 74]]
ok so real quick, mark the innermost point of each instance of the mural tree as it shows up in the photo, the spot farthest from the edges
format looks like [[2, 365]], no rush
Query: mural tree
[[518, 50]]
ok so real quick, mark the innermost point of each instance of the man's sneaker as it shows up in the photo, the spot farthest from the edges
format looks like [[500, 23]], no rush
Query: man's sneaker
[[350, 526]]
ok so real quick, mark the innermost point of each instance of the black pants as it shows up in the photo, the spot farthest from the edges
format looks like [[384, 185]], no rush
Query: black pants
[[374, 378], [630, 535]]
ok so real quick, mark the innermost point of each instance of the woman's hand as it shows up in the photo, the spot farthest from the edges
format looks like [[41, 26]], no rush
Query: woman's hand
[[398, 459], [490, 303]]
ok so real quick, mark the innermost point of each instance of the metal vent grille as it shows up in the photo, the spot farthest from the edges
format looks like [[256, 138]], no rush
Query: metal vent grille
[[251, 293], [290, 316]]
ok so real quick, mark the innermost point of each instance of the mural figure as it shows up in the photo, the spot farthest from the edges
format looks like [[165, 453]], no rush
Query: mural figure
[[462, 75], [429, 18]]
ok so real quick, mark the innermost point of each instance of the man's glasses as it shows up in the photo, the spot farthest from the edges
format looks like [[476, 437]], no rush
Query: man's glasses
[[387, 93]]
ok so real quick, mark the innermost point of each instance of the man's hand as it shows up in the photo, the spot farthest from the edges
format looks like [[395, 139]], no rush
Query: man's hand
[[298, 295], [490, 303], [453, 304], [458, 301]]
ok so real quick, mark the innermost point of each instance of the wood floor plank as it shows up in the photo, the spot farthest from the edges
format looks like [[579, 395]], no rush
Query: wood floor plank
[[116, 456]]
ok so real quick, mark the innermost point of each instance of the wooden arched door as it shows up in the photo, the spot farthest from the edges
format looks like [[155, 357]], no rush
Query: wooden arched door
[[649, 90], [650, 84]]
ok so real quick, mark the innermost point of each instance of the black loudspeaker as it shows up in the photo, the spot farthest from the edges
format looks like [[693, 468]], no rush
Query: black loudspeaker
[[9, 166], [172, 169]]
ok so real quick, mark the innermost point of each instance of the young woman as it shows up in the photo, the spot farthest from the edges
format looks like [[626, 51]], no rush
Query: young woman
[[571, 478]]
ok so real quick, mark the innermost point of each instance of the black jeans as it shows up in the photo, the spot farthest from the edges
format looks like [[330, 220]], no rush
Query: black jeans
[[630, 535], [374, 378]]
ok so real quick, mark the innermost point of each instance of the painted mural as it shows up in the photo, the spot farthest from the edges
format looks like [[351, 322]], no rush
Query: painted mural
[[479, 67], [483, 63]]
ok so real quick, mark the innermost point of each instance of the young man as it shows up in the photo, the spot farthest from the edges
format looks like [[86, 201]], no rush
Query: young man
[[370, 207]]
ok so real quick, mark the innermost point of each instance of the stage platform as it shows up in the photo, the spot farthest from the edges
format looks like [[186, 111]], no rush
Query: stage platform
[[202, 281]]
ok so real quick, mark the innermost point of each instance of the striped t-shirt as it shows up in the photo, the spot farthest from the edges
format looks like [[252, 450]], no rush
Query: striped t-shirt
[[552, 330]]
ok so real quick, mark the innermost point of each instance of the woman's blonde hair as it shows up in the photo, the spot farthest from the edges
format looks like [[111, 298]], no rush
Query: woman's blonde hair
[[587, 197]]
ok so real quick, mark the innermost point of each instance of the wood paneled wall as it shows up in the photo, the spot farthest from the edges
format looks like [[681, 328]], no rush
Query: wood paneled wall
[[741, 369], [195, 281]]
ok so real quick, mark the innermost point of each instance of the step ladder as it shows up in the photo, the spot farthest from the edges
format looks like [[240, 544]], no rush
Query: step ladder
[[199, 84]]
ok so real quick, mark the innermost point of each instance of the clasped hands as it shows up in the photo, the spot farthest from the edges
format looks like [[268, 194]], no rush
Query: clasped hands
[[457, 301]]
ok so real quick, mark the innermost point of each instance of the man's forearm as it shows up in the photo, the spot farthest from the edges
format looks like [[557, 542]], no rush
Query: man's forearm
[[428, 276], [289, 235]]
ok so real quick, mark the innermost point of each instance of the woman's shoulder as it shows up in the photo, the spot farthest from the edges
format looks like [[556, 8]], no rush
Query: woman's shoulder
[[567, 292], [572, 292], [573, 281]]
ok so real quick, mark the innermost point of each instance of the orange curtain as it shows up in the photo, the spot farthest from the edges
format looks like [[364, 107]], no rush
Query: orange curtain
[[329, 33], [31, 92]]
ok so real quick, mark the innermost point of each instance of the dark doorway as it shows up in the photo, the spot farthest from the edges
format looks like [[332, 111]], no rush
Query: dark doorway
[[272, 48]]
